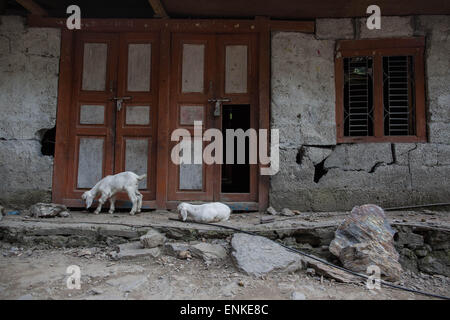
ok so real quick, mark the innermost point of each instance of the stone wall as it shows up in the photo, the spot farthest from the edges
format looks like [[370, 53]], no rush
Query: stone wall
[[317, 174], [29, 62]]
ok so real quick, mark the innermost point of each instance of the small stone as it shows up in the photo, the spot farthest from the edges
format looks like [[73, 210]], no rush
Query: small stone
[[174, 248], [266, 219], [298, 296], [272, 211], [208, 251], [84, 252], [48, 210], [134, 250], [310, 271], [26, 297], [185, 254], [287, 212], [95, 291], [152, 239]]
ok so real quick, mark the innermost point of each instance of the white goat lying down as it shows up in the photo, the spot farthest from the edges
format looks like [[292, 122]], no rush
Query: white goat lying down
[[108, 187], [208, 212]]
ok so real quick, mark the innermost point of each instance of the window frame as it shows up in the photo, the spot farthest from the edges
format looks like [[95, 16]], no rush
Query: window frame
[[377, 48]]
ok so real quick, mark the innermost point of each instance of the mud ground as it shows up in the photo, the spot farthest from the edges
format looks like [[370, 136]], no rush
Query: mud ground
[[27, 273]]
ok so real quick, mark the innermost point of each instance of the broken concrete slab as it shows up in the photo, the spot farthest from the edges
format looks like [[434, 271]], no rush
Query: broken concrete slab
[[134, 249], [152, 239], [256, 255], [365, 238]]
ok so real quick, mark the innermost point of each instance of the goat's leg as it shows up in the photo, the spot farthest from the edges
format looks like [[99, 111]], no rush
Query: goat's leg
[[112, 207], [139, 199], [133, 198], [101, 201]]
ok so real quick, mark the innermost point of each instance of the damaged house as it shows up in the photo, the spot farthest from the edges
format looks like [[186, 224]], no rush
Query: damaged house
[[363, 114]]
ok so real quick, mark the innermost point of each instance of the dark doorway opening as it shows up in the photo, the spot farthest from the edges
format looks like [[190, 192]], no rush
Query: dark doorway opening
[[235, 177]]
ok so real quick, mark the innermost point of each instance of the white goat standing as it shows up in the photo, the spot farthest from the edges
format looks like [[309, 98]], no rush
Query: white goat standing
[[108, 187], [208, 212]]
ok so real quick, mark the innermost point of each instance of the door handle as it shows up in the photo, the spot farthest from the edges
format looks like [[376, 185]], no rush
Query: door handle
[[119, 101], [218, 105]]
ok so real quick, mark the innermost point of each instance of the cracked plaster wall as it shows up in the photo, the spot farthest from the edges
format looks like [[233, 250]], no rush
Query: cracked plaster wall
[[29, 62], [317, 174]]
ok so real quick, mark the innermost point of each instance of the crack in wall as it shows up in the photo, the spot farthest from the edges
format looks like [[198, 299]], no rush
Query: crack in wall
[[409, 164]]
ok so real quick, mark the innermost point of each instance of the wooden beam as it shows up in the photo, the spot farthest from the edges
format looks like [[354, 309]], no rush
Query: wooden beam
[[158, 9], [174, 25], [62, 115], [371, 44], [294, 26], [33, 7], [264, 102]]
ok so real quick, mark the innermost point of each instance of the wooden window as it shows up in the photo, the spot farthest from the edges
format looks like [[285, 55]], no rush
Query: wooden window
[[380, 90]]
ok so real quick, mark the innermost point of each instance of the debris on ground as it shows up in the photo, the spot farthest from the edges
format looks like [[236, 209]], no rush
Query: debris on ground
[[2, 212], [287, 212], [271, 211], [48, 210], [208, 251], [183, 255], [152, 239], [365, 238], [298, 296], [266, 219], [257, 255], [175, 248], [135, 250]]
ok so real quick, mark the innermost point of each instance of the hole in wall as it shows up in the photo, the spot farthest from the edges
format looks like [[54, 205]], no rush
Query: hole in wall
[[319, 171], [48, 141], [300, 155]]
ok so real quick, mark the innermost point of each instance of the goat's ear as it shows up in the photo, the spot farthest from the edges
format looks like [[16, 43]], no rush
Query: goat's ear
[[183, 214]]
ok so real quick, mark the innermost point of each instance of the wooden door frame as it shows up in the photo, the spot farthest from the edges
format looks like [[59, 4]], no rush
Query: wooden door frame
[[261, 25]]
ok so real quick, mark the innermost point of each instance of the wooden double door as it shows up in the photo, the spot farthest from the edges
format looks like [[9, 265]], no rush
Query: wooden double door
[[213, 80], [112, 124]]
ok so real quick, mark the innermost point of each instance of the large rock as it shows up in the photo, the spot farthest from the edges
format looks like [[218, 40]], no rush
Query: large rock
[[257, 256], [48, 210], [365, 238], [152, 239]]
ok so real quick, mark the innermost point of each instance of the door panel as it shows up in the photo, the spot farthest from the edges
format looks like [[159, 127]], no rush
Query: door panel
[[191, 87], [237, 78], [135, 148], [91, 143]]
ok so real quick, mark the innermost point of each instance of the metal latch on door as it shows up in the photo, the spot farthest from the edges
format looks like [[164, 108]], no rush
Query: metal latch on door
[[119, 101], [218, 104]]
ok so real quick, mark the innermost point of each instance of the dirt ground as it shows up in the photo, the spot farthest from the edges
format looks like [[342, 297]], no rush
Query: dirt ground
[[30, 273]]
